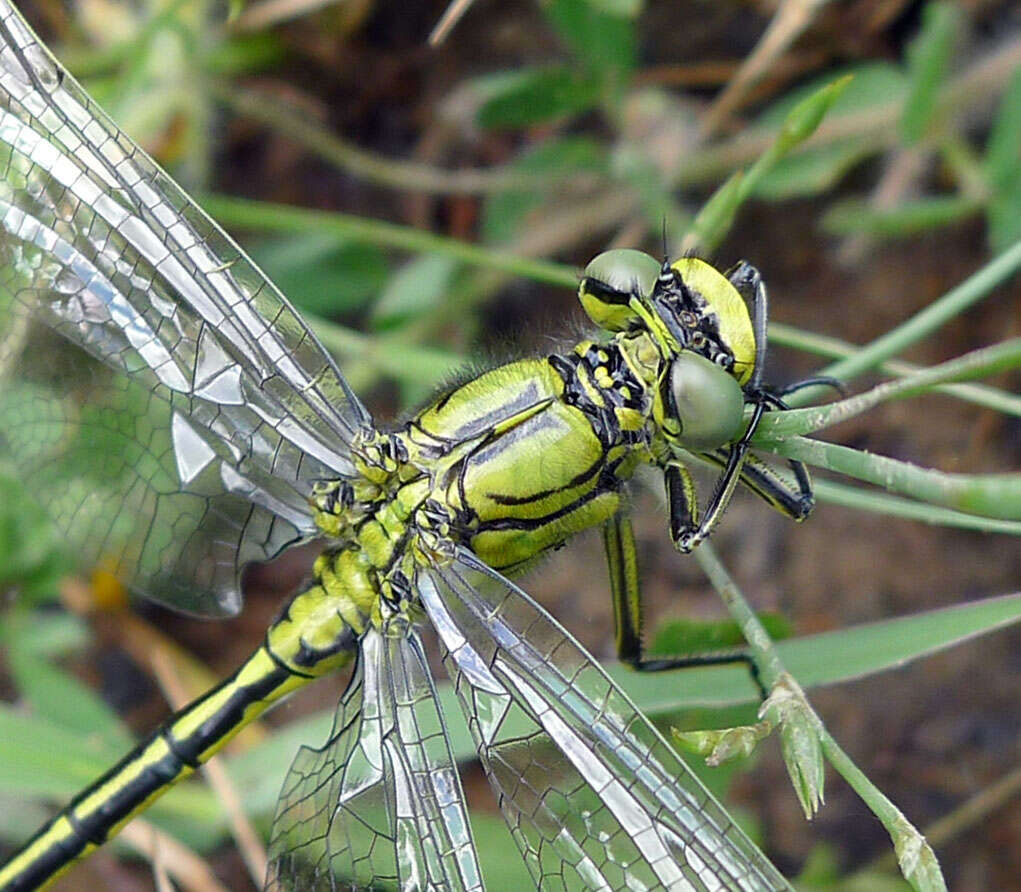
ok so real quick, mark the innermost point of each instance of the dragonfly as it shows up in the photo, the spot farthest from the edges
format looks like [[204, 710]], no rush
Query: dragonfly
[[217, 425]]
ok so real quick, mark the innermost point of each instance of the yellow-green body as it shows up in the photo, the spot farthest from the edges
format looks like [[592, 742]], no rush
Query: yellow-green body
[[521, 460], [510, 464]]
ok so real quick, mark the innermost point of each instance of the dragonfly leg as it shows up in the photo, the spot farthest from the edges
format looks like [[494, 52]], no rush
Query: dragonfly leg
[[795, 502], [621, 556], [748, 281], [686, 529]]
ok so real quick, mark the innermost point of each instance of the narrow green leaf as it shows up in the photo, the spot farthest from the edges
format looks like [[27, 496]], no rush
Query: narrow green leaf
[[861, 499], [603, 40], [55, 695], [680, 637], [1003, 148], [717, 214], [1003, 169], [864, 650], [811, 171], [928, 66], [44, 633], [802, 120], [271, 217], [364, 356], [1003, 217], [414, 290], [827, 658], [322, 272], [920, 215], [499, 857], [715, 217], [539, 95], [43, 761], [977, 286], [834, 348], [627, 8], [41, 757], [871, 84], [31, 558], [979, 363], [988, 495], [245, 54]]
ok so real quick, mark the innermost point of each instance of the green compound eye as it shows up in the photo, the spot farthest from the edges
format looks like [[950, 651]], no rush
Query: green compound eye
[[709, 401], [623, 269], [611, 280]]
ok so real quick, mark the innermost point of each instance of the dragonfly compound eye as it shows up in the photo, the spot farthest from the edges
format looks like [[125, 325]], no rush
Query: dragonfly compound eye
[[611, 279], [709, 402], [625, 269]]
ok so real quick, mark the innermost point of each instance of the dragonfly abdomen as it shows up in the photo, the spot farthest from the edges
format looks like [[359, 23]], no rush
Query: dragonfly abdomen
[[311, 638], [171, 753]]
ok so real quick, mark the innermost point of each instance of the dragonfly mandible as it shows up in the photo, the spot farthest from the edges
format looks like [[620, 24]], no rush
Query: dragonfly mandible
[[218, 424]]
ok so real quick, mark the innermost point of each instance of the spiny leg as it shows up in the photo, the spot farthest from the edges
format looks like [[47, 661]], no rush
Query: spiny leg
[[795, 502], [748, 282], [622, 560]]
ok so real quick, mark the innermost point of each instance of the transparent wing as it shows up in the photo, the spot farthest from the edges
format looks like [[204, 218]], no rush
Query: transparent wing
[[236, 400], [380, 806], [594, 797]]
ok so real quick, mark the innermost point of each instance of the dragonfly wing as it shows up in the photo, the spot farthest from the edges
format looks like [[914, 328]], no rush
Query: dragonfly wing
[[380, 806], [594, 797], [100, 244], [140, 489]]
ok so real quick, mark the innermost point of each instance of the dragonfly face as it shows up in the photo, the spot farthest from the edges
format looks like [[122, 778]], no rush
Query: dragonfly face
[[216, 430], [699, 327]]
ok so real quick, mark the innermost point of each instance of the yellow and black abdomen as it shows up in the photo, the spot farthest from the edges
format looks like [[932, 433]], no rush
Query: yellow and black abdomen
[[317, 633]]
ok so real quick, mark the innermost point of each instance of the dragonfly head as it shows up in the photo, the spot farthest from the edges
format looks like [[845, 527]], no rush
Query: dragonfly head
[[700, 326]]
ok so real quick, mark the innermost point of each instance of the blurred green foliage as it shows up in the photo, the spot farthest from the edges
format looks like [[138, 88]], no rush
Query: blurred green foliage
[[588, 148]]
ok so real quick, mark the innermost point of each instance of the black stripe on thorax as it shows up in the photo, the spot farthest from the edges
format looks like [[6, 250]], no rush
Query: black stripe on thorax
[[609, 482]]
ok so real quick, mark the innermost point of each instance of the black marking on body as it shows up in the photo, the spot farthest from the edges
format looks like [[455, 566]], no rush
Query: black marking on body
[[496, 444], [625, 392], [607, 294], [311, 656], [528, 398], [586, 475], [608, 482], [441, 445], [54, 859], [280, 664], [94, 827], [680, 306], [226, 718]]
